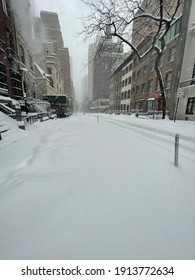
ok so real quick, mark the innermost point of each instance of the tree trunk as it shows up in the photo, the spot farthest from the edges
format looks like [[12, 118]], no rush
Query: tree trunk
[[161, 84]]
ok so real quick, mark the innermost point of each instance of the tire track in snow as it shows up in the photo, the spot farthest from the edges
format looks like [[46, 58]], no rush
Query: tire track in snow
[[165, 136]]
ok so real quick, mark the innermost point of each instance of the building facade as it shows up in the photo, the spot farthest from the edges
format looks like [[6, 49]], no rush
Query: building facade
[[91, 57], [107, 53], [52, 33], [185, 99], [10, 75], [25, 45]]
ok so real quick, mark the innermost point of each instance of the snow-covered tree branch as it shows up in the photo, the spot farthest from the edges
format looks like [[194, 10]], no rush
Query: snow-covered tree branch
[[132, 22]]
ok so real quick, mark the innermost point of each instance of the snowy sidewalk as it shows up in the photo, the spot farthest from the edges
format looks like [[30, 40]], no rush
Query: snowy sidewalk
[[76, 188]]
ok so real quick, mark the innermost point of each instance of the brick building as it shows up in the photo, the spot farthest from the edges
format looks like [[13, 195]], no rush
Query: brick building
[[135, 83], [145, 87], [10, 76], [26, 46]]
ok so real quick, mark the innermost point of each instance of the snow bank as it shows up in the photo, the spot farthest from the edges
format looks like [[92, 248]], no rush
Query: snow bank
[[10, 130]]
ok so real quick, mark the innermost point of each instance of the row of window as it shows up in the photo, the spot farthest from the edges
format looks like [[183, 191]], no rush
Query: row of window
[[190, 109], [125, 94], [143, 71], [126, 82], [15, 80], [124, 107], [3, 76], [142, 88], [127, 69], [16, 83]]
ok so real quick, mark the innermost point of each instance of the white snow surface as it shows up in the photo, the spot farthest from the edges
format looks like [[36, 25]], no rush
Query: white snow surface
[[78, 188]]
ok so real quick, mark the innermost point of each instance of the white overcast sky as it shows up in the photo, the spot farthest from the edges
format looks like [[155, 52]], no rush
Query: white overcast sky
[[69, 12]]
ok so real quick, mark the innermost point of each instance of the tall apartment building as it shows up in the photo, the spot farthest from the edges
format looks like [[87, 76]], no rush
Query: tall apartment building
[[52, 32], [65, 66], [107, 53], [85, 87], [91, 57], [49, 79]]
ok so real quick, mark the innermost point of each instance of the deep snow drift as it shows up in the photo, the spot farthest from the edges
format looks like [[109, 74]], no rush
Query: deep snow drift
[[77, 188]]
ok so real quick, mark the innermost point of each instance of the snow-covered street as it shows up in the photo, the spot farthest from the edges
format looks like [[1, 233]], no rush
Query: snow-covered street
[[79, 188]]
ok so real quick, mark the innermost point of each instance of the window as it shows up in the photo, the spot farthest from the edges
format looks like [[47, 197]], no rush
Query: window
[[134, 76], [150, 85], [51, 83], [152, 65], [31, 62], [160, 62], [145, 69], [173, 31], [3, 76], [130, 67], [129, 82], [49, 70], [143, 88], [128, 94], [137, 89], [9, 39], [177, 27], [168, 80], [190, 109], [172, 54], [138, 74], [157, 85], [22, 55]]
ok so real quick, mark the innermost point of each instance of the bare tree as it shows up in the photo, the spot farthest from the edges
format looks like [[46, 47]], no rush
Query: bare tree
[[132, 21]]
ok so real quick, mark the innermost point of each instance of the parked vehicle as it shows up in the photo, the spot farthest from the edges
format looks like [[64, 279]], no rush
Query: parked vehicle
[[60, 104]]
